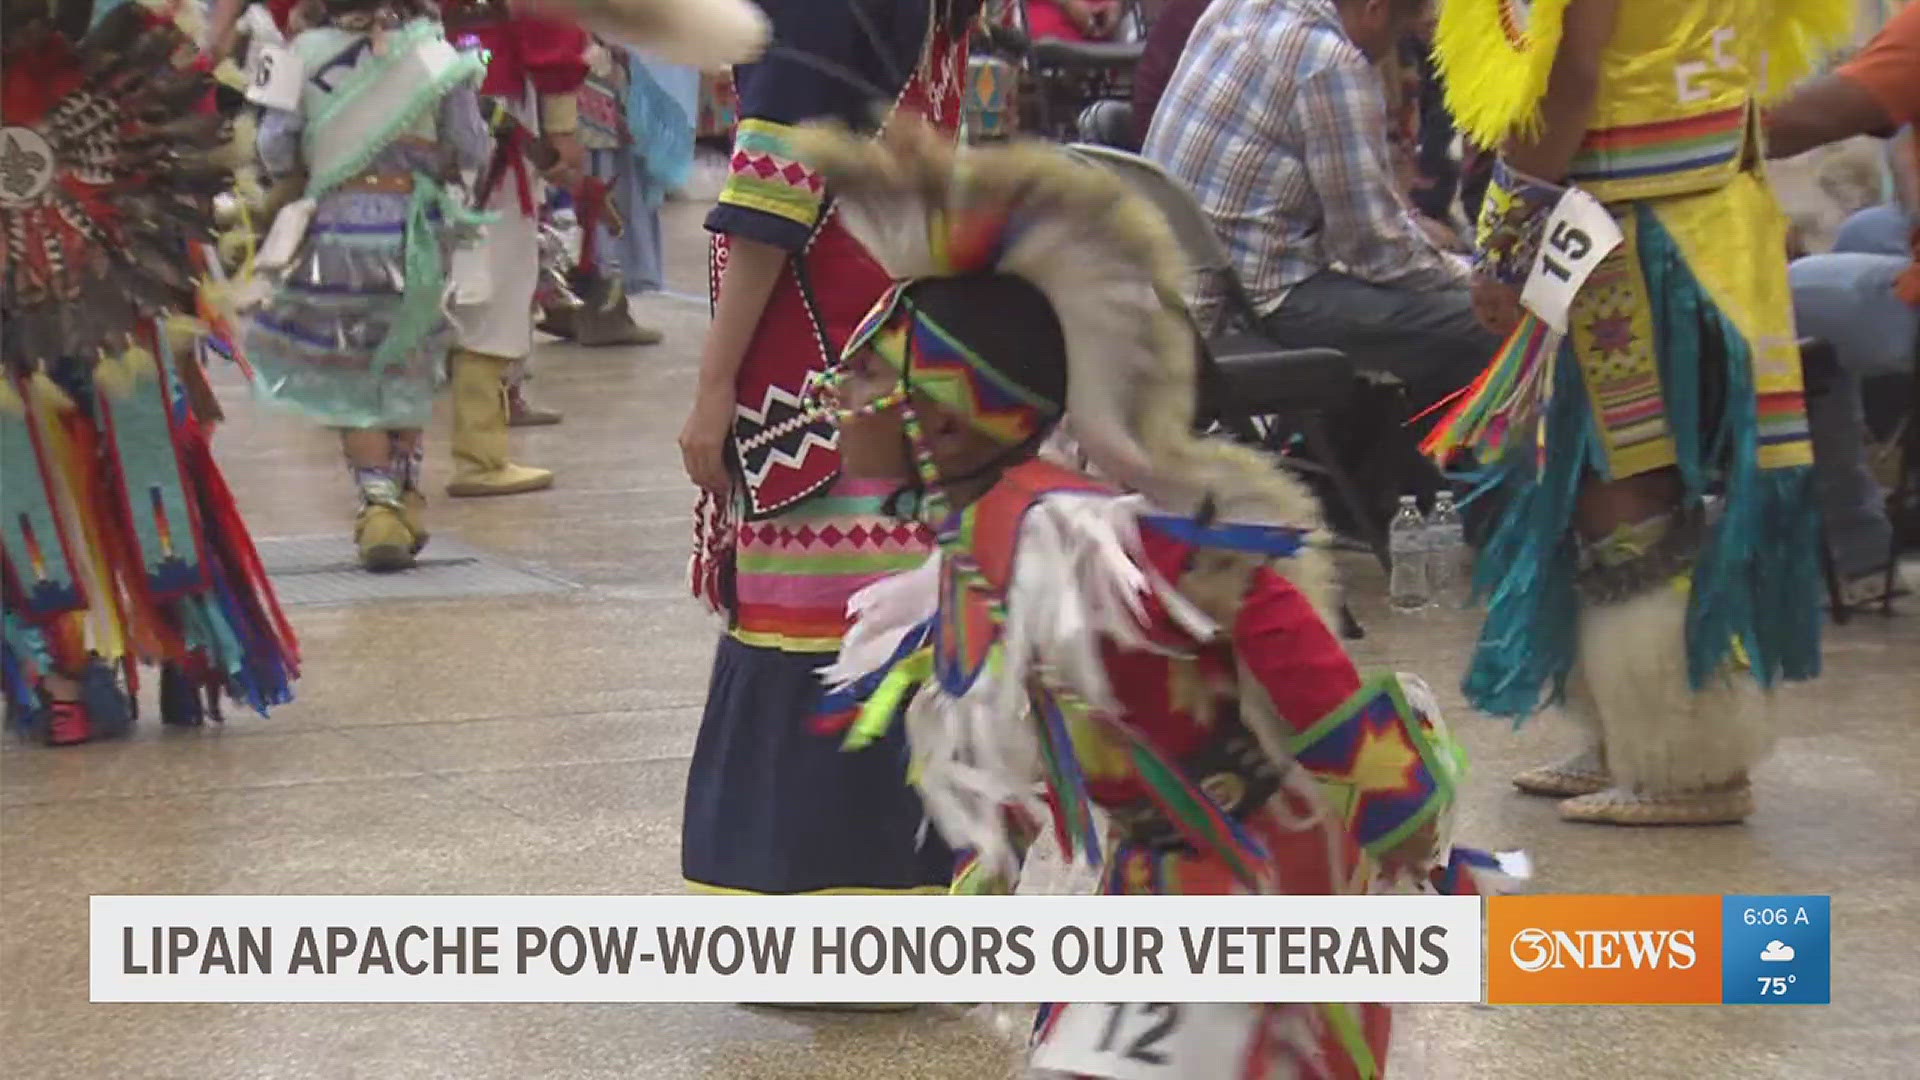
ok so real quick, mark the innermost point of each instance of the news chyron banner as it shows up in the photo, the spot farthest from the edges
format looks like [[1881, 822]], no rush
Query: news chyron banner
[[1659, 950], [855, 949], [1531, 950]]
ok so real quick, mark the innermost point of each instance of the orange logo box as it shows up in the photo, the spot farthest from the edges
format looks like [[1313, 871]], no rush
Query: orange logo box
[[1603, 950]]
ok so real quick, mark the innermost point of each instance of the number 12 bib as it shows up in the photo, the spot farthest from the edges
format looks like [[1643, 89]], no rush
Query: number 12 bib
[[1151, 1041]]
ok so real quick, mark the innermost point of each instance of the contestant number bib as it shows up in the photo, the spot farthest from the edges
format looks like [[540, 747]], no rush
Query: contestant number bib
[[1580, 232], [1152, 1041], [275, 78]]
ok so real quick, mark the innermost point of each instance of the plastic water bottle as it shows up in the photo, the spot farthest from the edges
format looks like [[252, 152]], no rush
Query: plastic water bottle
[[1407, 588], [1449, 569]]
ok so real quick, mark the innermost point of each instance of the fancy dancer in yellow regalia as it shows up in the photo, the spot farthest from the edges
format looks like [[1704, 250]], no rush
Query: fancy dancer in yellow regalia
[[1655, 563]]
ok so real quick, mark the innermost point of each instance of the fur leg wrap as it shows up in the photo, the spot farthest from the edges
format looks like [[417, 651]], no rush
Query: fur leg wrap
[[1660, 734]]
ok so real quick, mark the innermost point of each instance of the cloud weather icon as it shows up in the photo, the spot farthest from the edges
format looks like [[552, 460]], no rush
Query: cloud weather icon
[[1778, 952]]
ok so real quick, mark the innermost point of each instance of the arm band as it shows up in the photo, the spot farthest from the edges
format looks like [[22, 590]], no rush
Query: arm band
[[1513, 217]]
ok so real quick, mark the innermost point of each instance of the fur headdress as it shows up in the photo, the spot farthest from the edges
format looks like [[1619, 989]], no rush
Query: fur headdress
[[1113, 274]]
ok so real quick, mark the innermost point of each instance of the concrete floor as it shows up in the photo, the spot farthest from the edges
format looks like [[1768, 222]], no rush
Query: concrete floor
[[538, 744]]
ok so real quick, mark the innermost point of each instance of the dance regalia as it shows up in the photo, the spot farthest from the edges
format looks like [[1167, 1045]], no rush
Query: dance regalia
[[1679, 355], [1159, 653], [771, 806], [624, 118], [121, 541], [356, 335]]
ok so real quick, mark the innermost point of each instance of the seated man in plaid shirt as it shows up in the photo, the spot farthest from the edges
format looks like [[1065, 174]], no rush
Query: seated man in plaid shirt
[[1277, 121]]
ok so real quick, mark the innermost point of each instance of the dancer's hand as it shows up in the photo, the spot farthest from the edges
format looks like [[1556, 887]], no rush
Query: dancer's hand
[[1496, 305], [703, 440], [1441, 234]]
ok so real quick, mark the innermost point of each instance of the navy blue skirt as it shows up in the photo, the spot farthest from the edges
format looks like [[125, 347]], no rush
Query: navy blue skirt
[[774, 806]]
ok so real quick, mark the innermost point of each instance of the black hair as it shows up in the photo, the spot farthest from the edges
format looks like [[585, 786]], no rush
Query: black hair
[[1007, 321], [354, 12]]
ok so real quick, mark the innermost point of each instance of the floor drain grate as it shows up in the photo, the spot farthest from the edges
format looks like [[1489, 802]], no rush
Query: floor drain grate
[[309, 570]]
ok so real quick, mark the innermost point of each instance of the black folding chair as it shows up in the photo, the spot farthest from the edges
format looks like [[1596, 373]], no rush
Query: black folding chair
[[1819, 367], [1903, 505], [1063, 76], [1257, 391]]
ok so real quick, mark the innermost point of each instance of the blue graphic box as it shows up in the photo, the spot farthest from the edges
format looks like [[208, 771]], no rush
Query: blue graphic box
[[1777, 950]]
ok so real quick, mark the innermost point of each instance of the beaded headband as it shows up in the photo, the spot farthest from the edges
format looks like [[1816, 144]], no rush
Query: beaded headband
[[930, 359]]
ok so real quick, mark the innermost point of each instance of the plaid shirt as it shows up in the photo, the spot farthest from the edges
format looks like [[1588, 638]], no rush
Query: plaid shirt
[[1278, 124]]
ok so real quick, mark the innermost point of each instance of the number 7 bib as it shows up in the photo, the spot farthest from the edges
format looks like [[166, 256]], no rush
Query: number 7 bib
[[1152, 1041]]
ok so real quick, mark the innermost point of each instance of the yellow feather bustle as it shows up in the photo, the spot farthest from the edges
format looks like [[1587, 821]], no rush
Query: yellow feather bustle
[[1799, 35], [48, 398], [1495, 70]]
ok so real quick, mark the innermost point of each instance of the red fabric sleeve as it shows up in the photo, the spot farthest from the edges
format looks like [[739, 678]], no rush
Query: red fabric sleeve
[[553, 53], [1282, 640], [1290, 650]]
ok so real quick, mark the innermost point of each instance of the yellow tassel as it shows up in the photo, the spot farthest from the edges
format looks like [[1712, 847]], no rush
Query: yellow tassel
[[48, 398], [114, 375], [235, 244], [11, 402], [876, 716], [246, 184], [1495, 77], [182, 331], [229, 73]]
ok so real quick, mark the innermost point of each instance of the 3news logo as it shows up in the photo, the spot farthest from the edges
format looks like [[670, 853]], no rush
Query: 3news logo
[[1666, 950], [1534, 949]]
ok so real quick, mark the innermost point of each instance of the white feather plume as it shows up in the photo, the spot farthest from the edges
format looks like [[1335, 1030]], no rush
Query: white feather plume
[[704, 34], [883, 614], [1081, 582]]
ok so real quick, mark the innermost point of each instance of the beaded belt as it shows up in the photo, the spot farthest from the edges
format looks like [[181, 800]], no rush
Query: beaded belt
[[1233, 770], [1665, 559], [379, 184]]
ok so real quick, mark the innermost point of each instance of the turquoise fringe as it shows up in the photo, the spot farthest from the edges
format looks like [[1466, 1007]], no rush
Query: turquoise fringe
[[1525, 571], [422, 306], [1758, 576]]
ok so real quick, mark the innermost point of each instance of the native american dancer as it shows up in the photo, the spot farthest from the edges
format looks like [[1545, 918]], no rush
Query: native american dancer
[[120, 540], [1148, 637], [1656, 564], [783, 539], [617, 205], [535, 67], [539, 65], [380, 118]]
